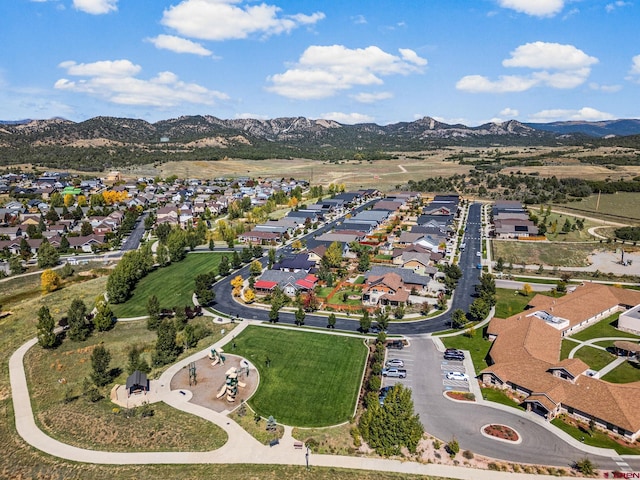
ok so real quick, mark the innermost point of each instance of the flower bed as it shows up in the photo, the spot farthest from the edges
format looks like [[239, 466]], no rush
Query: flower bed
[[461, 396], [501, 431]]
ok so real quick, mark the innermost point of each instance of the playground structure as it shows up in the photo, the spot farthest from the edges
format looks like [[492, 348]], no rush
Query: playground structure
[[231, 384], [217, 357]]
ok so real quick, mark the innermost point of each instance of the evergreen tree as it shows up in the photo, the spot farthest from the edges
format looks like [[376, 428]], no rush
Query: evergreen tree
[[236, 261], [331, 320], [458, 318], [153, 312], [365, 322], [166, 347], [103, 319], [223, 267], [136, 361], [100, 359], [79, 328], [300, 316], [46, 336]]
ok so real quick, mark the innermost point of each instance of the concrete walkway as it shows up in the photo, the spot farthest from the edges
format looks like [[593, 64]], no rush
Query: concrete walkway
[[241, 448]]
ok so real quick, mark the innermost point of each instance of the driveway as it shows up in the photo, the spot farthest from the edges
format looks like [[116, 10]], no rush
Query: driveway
[[446, 419]]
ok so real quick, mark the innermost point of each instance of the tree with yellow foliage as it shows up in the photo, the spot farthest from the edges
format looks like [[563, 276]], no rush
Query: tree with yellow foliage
[[293, 202], [49, 281], [82, 201], [69, 200], [237, 283], [249, 295], [112, 197]]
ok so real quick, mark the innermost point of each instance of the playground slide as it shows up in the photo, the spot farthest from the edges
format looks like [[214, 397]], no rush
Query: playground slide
[[242, 384], [222, 391], [215, 362]]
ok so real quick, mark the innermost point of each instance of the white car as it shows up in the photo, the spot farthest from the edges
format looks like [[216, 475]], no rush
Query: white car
[[394, 362], [457, 376]]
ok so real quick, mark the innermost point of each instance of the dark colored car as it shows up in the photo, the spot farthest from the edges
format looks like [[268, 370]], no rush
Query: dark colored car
[[395, 344], [453, 354]]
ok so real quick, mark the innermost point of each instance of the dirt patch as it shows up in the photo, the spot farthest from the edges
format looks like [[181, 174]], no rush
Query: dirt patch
[[210, 380]]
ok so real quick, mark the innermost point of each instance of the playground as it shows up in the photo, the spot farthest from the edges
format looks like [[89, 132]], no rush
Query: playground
[[218, 386]]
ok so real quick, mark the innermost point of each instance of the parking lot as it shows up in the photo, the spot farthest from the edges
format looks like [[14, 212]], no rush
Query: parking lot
[[417, 371]]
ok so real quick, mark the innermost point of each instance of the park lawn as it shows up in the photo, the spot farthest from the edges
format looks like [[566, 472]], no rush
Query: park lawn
[[313, 379], [97, 425], [173, 285], [626, 372], [594, 357], [546, 253], [604, 328], [477, 346], [509, 302], [498, 396], [595, 438]]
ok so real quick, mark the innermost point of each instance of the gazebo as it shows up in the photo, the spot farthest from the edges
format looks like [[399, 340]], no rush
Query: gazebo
[[625, 348], [137, 382]]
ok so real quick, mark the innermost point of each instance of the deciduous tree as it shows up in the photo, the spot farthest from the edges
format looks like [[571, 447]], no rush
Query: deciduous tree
[[49, 281]]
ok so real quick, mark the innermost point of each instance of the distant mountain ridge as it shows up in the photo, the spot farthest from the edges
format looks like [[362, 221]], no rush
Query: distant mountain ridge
[[605, 128]]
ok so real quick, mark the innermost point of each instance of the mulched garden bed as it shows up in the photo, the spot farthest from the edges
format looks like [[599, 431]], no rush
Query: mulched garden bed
[[501, 431], [462, 396]]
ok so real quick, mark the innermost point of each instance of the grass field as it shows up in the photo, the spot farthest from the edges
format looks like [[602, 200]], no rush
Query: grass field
[[173, 285], [604, 328], [626, 372], [594, 357], [622, 206], [545, 253], [96, 425], [572, 236], [566, 347], [313, 379], [510, 302], [477, 346], [498, 396]]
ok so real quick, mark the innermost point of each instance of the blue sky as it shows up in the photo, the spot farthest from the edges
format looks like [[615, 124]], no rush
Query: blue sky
[[382, 61]]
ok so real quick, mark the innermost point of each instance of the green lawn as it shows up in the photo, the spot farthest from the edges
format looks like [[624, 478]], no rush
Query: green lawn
[[498, 396], [476, 345], [604, 328], [313, 379], [565, 349], [173, 285], [594, 357], [323, 292], [337, 298], [594, 439], [625, 373], [510, 302]]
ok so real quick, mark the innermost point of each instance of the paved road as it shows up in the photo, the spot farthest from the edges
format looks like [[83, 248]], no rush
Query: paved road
[[445, 419], [133, 240], [462, 298]]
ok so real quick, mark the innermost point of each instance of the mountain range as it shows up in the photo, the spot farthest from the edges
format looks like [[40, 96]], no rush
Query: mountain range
[[113, 139]]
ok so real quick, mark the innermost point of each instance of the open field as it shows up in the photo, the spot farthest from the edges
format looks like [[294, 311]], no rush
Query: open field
[[173, 285], [321, 372], [545, 253], [510, 302], [622, 207]]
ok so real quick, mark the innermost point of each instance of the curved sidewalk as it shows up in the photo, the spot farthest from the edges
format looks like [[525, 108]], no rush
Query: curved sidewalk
[[241, 448]]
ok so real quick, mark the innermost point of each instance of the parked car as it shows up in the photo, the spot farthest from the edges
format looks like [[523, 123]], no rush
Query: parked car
[[457, 376], [394, 372], [395, 344], [453, 350], [458, 355], [384, 391], [394, 362]]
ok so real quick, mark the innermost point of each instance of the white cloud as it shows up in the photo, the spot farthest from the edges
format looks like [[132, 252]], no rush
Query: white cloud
[[359, 19], [252, 116], [105, 68], [224, 19], [504, 84], [536, 8], [544, 55], [116, 82], [323, 71], [584, 114], [610, 7], [179, 45], [509, 112], [347, 118], [557, 66], [605, 88], [96, 7], [364, 97]]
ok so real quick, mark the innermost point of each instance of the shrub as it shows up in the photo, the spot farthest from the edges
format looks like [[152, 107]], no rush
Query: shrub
[[468, 454], [453, 447]]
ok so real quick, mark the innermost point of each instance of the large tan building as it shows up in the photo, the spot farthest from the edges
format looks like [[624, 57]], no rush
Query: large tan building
[[525, 357]]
